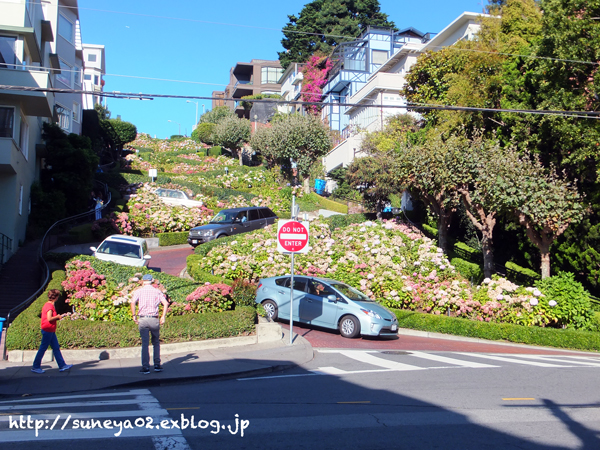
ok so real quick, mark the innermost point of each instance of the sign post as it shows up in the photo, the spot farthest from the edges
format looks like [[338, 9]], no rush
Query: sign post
[[292, 238]]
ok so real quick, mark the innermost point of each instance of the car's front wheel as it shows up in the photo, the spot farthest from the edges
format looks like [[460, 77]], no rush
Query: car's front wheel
[[349, 327], [270, 308]]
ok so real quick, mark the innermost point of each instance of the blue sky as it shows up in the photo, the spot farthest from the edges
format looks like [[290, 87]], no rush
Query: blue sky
[[197, 42]]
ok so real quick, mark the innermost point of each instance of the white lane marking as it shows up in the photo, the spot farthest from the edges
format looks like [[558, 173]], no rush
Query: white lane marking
[[136, 401], [366, 357], [68, 397], [559, 359], [79, 434], [154, 413], [512, 360], [453, 361]]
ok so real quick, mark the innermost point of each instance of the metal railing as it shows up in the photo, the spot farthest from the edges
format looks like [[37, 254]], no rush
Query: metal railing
[[55, 235]]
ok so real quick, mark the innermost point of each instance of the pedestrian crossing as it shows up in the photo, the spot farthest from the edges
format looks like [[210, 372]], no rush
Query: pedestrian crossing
[[134, 413], [349, 362]]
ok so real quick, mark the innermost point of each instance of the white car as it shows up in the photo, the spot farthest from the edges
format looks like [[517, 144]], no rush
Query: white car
[[176, 198], [121, 249]]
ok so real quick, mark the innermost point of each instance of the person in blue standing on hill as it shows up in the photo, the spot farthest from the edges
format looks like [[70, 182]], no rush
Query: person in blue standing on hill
[[48, 325]]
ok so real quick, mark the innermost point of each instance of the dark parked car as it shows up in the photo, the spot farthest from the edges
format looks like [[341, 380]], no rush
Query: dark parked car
[[232, 221]]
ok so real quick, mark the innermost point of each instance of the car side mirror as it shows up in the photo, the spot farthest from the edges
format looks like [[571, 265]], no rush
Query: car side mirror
[[93, 249], [332, 298], [147, 256]]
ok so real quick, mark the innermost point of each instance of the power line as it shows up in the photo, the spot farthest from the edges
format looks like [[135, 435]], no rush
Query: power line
[[414, 106]]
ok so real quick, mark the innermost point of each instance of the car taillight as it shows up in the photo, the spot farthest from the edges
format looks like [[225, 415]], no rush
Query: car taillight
[[259, 286]]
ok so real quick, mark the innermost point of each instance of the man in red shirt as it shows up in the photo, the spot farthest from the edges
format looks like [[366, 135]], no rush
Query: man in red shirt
[[149, 299], [48, 325]]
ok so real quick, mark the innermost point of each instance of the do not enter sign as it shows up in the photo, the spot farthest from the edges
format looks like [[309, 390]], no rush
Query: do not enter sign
[[292, 236]]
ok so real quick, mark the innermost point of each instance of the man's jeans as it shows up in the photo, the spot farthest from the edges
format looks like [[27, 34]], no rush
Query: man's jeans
[[149, 326], [49, 339]]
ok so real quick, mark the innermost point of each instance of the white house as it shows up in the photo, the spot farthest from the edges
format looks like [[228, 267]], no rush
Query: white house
[[94, 69], [379, 97]]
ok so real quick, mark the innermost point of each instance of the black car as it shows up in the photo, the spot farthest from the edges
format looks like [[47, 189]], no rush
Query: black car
[[232, 221]]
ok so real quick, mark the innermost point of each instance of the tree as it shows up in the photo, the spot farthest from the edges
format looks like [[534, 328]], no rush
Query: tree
[[232, 133], [304, 139], [125, 132], [544, 203], [263, 142], [216, 114], [323, 24], [375, 176], [203, 132]]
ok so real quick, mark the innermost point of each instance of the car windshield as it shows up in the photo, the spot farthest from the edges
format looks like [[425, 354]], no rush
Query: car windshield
[[119, 249], [224, 217], [350, 292]]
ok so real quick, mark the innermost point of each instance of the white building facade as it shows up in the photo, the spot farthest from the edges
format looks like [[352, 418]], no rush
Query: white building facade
[[94, 69]]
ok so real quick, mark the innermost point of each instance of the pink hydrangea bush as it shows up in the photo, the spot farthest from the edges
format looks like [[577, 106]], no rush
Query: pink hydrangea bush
[[207, 298]]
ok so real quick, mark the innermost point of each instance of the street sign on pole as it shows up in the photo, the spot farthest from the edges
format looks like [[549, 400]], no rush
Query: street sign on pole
[[292, 236]]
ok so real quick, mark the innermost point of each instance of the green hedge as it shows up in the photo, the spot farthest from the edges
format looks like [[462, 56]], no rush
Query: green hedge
[[215, 151], [82, 234], [548, 337], [341, 221], [87, 334], [520, 274], [176, 238], [431, 231], [332, 205], [465, 252], [469, 270]]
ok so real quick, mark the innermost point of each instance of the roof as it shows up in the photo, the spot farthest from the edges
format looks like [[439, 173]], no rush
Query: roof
[[125, 238]]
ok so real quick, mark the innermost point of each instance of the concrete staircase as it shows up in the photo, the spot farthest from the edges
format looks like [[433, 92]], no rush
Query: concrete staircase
[[20, 277]]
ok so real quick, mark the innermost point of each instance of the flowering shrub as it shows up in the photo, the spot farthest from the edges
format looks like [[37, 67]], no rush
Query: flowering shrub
[[391, 263], [315, 77], [206, 298]]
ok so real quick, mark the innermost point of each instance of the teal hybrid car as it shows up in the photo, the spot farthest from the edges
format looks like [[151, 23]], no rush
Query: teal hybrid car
[[326, 303]]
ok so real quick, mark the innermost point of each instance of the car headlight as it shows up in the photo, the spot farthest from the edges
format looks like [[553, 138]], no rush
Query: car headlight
[[207, 233], [371, 313]]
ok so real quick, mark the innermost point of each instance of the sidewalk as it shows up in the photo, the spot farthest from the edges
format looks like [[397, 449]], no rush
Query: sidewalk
[[16, 378]]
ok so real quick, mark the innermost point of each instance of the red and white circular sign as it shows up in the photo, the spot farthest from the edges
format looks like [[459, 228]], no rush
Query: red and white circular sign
[[292, 236]]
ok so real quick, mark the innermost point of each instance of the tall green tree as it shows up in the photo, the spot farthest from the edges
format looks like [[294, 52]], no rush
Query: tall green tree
[[216, 114], [233, 133], [323, 24]]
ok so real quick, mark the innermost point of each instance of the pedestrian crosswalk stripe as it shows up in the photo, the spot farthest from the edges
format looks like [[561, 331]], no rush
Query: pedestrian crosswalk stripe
[[145, 399], [368, 358], [560, 359], [512, 360], [70, 397], [453, 361]]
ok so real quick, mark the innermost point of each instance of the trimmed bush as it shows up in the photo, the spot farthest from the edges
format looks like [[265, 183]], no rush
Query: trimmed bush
[[332, 205], [215, 151], [88, 334], [432, 232], [339, 221], [466, 252], [548, 337], [520, 274], [199, 275], [469, 270], [176, 238]]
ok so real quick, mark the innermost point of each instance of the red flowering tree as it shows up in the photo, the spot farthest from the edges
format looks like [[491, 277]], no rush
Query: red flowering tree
[[315, 74]]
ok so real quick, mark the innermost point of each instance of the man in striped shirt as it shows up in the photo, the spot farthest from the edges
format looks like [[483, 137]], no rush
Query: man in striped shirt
[[149, 299]]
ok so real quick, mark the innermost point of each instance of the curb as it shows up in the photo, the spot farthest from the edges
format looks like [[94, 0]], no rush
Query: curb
[[265, 332]]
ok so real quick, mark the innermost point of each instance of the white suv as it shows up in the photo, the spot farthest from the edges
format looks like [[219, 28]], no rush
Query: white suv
[[121, 249]]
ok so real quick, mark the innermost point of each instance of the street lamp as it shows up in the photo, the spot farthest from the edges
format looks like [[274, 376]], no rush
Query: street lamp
[[177, 124], [196, 122]]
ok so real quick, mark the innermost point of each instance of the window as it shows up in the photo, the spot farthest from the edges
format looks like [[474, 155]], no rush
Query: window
[[66, 74], [379, 56], [7, 117], [87, 78], [21, 200], [77, 75], [8, 55], [96, 80], [24, 138], [66, 28], [75, 112], [92, 57], [270, 75], [64, 117], [266, 213]]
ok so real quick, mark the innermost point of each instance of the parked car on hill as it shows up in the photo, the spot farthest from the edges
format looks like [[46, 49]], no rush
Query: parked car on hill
[[122, 249], [228, 222], [326, 303], [177, 198]]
